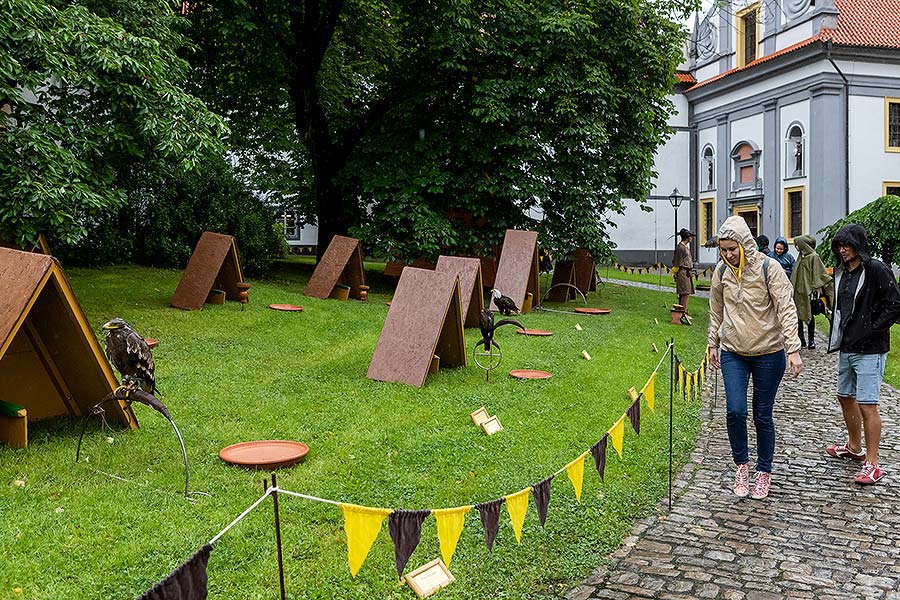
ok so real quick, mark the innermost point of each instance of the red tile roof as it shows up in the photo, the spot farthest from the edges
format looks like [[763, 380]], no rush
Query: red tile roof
[[685, 78], [874, 23]]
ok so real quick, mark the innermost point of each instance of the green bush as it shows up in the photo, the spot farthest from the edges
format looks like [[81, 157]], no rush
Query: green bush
[[881, 218]]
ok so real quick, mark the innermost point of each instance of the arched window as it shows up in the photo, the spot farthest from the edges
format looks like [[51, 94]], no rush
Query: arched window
[[794, 151], [708, 169], [746, 166]]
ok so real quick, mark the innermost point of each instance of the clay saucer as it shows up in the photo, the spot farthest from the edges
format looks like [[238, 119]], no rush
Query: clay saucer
[[264, 454], [536, 332], [151, 343], [286, 307], [593, 311], [529, 374]]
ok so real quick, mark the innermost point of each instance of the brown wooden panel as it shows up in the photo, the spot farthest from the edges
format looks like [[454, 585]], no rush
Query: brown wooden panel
[[21, 274], [488, 271], [585, 271], [470, 287], [207, 269], [517, 273], [24, 380], [563, 272], [341, 263], [425, 319]]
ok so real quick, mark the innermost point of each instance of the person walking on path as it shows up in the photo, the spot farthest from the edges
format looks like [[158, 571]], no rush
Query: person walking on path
[[868, 303], [811, 281], [762, 244], [781, 254], [683, 269], [753, 320]]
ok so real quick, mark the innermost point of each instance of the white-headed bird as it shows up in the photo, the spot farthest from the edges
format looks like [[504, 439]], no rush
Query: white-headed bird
[[130, 355], [504, 304]]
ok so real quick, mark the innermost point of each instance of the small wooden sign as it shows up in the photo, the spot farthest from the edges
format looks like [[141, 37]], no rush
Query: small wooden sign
[[632, 393], [577, 327], [479, 416], [655, 349], [585, 355], [492, 425], [429, 578]]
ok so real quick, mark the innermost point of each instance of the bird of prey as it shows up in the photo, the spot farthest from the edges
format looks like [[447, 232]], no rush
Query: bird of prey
[[488, 327], [504, 304], [128, 352]]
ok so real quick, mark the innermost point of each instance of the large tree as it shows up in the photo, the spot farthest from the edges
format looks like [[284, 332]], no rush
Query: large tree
[[436, 125], [84, 86]]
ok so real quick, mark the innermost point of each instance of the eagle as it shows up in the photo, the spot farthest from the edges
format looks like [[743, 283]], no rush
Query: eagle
[[488, 327], [504, 304], [128, 352]]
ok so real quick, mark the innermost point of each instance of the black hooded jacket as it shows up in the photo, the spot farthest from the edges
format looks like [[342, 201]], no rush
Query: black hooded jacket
[[876, 301]]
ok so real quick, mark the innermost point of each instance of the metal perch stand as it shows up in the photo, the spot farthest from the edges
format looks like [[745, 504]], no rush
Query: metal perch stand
[[143, 397]]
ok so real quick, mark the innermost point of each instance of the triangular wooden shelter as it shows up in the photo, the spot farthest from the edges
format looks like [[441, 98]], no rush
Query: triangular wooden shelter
[[213, 265], [342, 263], [580, 272], [51, 363], [470, 286], [585, 271], [425, 321], [517, 273]]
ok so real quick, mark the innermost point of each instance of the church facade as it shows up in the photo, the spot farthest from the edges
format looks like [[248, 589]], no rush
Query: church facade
[[787, 114]]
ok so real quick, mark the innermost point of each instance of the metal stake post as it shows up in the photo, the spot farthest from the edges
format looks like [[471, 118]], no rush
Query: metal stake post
[[277, 532], [671, 403]]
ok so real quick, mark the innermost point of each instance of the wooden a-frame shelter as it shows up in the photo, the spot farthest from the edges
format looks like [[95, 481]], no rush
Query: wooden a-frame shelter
[[517, 272], [470, 286], [213, 265], [580, 272], [425, 321], [342, 263], [51, 363]]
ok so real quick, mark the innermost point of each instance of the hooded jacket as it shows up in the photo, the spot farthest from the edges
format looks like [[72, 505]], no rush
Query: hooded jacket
[[750, 316], [809, 275], [876, 299], [786, 260]]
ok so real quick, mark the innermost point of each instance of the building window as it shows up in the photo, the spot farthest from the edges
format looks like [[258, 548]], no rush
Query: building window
[[890, 188], [750, 213], [707, 219], [794, 212], [746, 167], [747, 34], [794, 152], [708, 171], [892, 124], [289, 223]]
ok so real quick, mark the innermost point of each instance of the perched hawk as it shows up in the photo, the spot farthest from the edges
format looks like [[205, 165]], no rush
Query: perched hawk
[[488, 327], [504, 304], [130, 355]]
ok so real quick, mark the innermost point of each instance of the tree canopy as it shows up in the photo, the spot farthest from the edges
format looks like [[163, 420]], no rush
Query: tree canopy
[[84, 86], [881, 219], [434, 126]]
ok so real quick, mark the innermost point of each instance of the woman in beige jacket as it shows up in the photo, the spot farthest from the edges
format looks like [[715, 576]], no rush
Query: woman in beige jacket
[[752, 323]]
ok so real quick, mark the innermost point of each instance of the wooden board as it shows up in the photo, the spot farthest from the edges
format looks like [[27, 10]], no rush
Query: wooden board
[[470, 287], [50, 360], [395, 268], [342, 263], [517, 273], [214, 264], [563, 273], [425, 319], [585, 271]]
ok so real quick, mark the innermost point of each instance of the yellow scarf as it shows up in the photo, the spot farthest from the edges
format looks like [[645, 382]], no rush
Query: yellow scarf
[[739, 269]]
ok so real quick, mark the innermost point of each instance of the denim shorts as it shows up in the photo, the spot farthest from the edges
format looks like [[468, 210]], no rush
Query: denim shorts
[[859, 376]]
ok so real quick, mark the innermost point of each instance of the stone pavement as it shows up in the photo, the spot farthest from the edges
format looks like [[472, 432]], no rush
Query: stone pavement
[[651, 286], [818, 535]]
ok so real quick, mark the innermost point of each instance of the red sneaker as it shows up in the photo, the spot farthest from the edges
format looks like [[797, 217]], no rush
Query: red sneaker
[[869, 474], [763, 482], [742, 481], [844, 451]]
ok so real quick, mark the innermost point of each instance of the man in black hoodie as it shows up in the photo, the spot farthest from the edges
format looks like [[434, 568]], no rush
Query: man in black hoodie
[[867, 303]]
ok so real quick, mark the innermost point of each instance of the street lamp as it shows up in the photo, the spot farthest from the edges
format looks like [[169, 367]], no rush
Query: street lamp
[[675, 199]]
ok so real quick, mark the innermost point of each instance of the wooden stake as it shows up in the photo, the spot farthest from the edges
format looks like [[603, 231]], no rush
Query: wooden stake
[[585, 355]]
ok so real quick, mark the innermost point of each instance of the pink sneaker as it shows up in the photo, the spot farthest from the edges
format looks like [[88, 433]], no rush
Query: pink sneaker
[[844, 451], [869, 474], [742, 481], [763, 482]]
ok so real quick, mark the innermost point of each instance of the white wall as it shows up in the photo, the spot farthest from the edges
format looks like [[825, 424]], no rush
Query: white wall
[[870, 165], [793, 35], [765, 85], [749, 129], [707, 71]]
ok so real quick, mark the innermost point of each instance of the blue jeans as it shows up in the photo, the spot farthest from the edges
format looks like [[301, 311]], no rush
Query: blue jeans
[[767, 371]]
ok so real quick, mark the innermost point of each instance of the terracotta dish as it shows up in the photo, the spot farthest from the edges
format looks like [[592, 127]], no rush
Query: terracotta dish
[[286, 307], [151, 343], [538, 332], [265, 454], [593, 311], [530, 374]]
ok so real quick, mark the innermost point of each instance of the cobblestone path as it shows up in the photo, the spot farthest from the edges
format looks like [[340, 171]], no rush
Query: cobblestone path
[[655, 288], [818, 535]]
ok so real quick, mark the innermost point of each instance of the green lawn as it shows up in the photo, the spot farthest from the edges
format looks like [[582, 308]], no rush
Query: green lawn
[[230, 375], [664, 279]]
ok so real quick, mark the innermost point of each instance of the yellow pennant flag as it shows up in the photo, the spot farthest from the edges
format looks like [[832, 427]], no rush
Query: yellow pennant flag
[[681, 372], [449, 526], [575, 471], [702, 374], [697, 382], [517, 504], [361, 524], [688, 380], [649, 391], [617, 433]]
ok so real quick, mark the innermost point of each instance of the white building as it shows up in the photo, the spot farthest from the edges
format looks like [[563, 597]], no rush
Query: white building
[[788, 113]]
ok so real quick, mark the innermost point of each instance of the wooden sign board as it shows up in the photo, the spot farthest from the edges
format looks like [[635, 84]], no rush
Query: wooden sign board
[[342, 263], [632, 393], [425, 319], [429, 578], [479, 416], [395, 268], [51, 363], [213, 265], [563, 273], [492, 425], [517, 273], [470, 286], [585, 271]]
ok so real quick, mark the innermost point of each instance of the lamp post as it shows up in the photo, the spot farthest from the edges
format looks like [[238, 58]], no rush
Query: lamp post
[[675, 200]]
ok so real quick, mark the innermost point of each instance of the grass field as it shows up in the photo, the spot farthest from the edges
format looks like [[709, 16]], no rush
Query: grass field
[[70, 531]]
